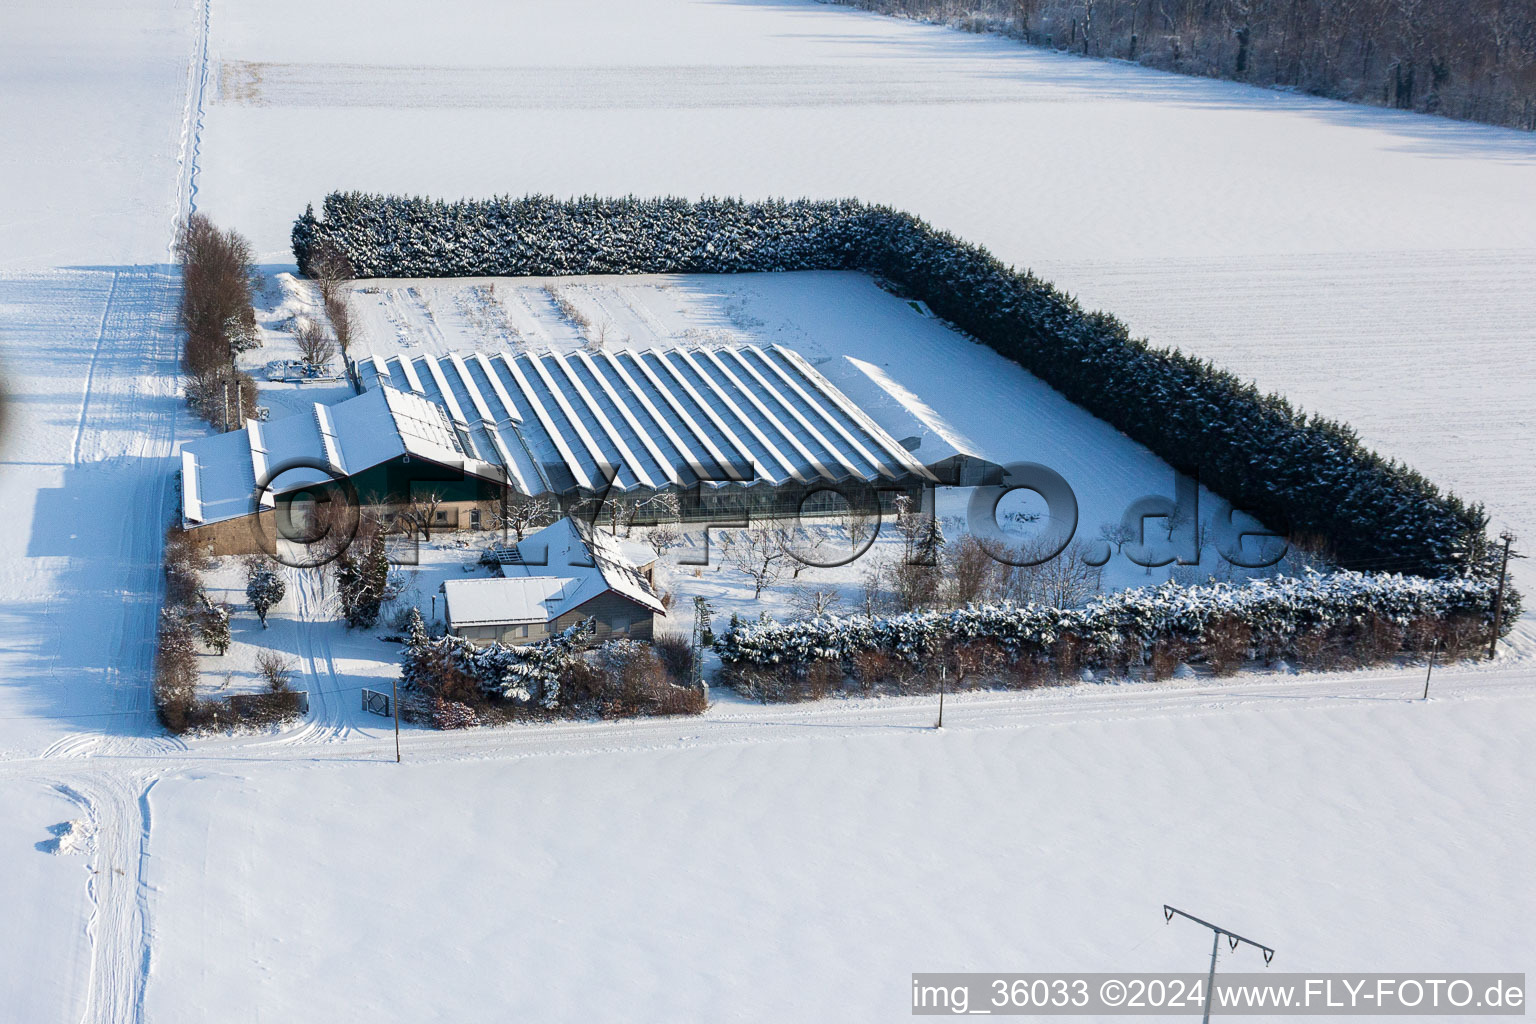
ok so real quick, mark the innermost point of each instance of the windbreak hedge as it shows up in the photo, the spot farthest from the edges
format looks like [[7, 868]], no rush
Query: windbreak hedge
[[1285, 617], [1298, 473]]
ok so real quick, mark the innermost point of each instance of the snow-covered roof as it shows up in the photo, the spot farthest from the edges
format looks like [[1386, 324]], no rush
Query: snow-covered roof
[[560, 420], [919, 427], [220, 474], [562, 567], [500, 602]]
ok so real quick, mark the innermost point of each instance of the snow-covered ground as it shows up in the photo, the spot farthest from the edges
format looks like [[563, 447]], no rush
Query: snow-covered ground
[[800, 864], [755, 864]]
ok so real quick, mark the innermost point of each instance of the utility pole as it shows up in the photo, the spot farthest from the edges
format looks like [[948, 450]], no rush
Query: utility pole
[[943, 680], [226, 405], [1217, 932], [1498, 600], [1434, 645], [701, 613], [394, 704]]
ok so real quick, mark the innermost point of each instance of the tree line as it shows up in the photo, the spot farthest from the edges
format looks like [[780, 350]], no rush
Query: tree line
[[1336, 621], [1469, 59]]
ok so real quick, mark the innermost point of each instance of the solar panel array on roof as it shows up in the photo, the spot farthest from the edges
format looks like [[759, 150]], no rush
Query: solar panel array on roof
[[648, 419]]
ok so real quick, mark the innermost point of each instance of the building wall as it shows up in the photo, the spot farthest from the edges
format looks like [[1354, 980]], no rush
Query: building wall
[[248, 535], [257, 535], [617, 618], [526, 634]]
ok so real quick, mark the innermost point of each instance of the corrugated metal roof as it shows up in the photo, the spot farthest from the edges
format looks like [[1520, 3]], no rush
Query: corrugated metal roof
[[660, 416]]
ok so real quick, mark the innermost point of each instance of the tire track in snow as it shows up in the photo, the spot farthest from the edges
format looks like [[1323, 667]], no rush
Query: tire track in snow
[[90, 373], [117, 808], [327, 721], [118, 805]]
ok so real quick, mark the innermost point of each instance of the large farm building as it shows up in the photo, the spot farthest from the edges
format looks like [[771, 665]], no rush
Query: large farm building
[[725, 427]]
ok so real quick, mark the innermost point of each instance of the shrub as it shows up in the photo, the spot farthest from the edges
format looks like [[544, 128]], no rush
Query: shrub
[[616, 679], [582, 683], [451, 714], [681, 700], [1225, 645], [276, 670], [1027, 671], [823, 678], [871, 668], [676, 653], [1166, 656]]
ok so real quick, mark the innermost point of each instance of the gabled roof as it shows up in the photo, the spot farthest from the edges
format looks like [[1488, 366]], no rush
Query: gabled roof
[[220, 474], [564, 566], [498, 602]]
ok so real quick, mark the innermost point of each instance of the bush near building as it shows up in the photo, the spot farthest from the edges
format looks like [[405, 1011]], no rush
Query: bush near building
[[464, 684]]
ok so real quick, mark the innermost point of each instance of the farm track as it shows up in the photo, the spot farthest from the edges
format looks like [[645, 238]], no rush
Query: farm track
[[126, 427]]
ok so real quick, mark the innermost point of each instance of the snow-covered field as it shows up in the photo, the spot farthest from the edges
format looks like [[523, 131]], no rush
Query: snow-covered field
[[752, 864], [800, 866]]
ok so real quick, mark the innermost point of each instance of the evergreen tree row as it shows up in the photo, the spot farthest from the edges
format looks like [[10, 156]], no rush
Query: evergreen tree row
[[1281, 614], [1300, 474]]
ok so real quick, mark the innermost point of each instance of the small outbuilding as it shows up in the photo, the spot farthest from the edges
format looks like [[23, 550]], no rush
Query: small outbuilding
[[555, 578]]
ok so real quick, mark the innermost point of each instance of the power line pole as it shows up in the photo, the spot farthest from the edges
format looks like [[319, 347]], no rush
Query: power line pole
[[1217, 932], [1498, 600], [394, 704], [943, 681], [701, 613], [1434, 645]]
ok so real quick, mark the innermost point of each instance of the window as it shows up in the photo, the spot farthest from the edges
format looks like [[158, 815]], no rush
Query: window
[[440, 516], [474, 519]]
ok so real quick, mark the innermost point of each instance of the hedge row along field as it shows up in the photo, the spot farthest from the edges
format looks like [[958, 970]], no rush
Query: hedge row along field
[[1303, 474], [1339, 620]]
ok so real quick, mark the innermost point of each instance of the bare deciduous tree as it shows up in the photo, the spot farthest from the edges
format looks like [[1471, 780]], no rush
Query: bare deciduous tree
[[330, 270], [316, 347], [971, 574], [872, 588], [661, 537], [217, 270], [424, 510], [623, 512], [760, 552], [1473, 59], [1065, 581], [814, 602], [523, 514], [338, 311]]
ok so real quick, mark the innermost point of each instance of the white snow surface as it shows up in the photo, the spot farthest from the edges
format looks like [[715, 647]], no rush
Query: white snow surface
[[755, 864]]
